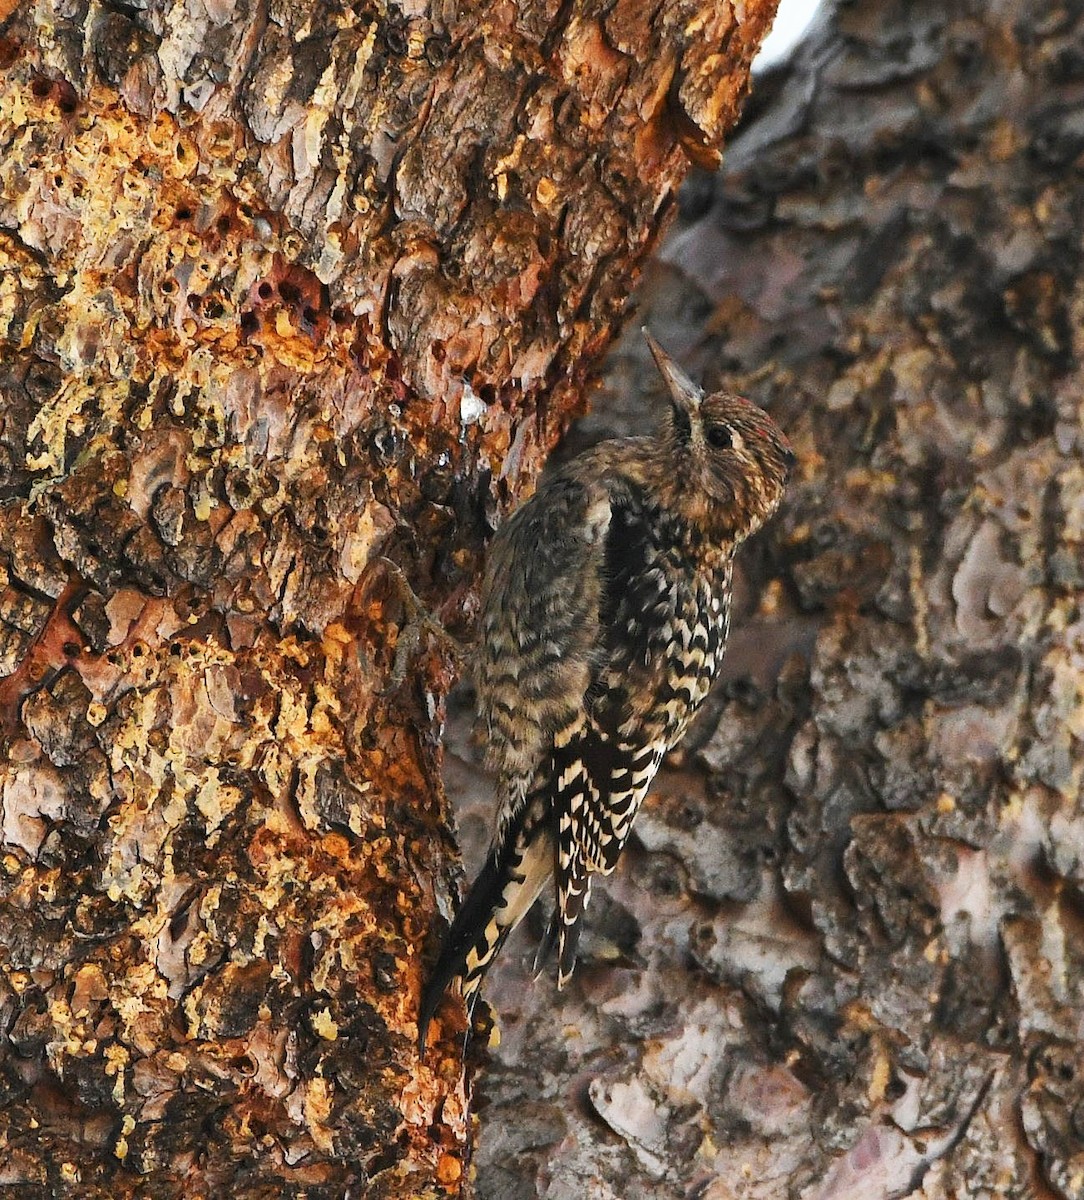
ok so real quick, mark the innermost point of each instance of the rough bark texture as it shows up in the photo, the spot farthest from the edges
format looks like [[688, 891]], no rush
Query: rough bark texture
[[844, 960], [282, 287]]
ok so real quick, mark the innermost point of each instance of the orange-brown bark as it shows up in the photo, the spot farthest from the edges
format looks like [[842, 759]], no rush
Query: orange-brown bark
[[282, 290]]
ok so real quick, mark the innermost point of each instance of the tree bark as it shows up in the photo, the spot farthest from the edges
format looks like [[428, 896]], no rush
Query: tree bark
[[284, 288], [843, 959]]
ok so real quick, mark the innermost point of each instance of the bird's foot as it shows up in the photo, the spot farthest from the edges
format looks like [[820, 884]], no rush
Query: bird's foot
[[419, 625]]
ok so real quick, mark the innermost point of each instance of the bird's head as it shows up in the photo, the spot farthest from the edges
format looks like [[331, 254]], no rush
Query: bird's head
[[734, 459]]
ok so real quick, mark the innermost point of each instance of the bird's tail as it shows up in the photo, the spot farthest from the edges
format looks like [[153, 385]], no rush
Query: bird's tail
[[510, 882]]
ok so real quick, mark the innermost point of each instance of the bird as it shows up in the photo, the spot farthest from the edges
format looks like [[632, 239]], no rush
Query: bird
[[604, 616]]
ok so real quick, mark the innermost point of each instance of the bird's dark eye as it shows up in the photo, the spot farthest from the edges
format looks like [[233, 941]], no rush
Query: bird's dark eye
[[719, 437]]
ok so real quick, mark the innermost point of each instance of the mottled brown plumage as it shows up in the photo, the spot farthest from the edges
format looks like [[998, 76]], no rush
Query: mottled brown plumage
[[605, 616]]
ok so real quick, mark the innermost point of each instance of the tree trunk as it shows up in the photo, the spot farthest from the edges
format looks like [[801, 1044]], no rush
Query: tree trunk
[[844, 959], [284, 288]]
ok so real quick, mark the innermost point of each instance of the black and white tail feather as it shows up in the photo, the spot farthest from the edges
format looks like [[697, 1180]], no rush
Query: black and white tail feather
[[515, 872]]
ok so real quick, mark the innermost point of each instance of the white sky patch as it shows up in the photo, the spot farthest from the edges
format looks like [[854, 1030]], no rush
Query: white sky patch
[[791, 21]]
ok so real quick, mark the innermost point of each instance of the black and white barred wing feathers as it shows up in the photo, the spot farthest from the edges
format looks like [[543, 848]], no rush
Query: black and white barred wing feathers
[[663, 628]]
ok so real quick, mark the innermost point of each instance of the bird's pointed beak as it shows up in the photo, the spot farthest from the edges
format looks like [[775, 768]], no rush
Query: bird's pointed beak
[[683, 392]]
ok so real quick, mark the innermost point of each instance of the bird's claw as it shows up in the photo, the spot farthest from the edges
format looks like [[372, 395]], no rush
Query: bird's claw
[[420, 623]]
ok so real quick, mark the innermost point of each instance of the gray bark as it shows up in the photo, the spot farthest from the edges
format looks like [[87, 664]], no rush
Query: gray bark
[[843, 958]]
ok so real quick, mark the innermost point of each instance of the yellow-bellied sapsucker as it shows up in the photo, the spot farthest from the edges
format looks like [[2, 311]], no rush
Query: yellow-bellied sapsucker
[[605, 616]]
